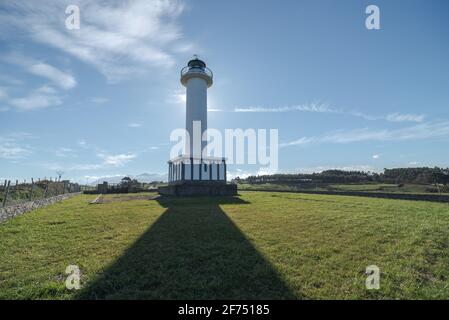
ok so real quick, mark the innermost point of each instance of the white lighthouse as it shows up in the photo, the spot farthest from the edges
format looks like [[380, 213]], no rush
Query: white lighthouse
[[194, 173], [196, 77]]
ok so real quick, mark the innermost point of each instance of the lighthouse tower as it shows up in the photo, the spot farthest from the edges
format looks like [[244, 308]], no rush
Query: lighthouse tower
[[196, 77], [194, 173]]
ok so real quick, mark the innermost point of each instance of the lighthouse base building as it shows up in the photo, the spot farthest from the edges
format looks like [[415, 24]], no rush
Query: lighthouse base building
[[191, 175], [207, 176]]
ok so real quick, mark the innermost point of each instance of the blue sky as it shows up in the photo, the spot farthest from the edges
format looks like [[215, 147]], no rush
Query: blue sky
[[102, 100]]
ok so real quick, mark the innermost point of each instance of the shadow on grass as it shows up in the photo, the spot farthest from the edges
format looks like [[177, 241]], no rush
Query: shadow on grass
[[193, 251]]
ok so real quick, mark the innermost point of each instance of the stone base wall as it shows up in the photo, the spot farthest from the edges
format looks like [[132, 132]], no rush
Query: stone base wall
[[19, 209], [186, 190]]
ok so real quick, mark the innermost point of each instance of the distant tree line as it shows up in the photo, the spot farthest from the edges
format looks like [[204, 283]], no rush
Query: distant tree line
[[422, 175]]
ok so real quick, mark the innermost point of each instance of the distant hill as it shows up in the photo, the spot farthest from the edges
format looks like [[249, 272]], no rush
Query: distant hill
[[150, 177], [144, 177]]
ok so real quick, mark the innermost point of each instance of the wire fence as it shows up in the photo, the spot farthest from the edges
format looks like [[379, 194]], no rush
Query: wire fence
[[17, 192]]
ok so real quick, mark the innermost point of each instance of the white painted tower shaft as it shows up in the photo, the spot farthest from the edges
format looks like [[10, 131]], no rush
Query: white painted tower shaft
[[196, 110], [196, 78]]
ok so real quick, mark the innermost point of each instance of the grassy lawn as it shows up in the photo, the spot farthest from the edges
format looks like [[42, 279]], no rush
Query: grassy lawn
[[364, 187], [258, 245], [384, 187]]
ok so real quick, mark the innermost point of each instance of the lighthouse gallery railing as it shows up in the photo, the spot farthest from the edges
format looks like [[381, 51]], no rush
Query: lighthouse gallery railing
[[205, 70]]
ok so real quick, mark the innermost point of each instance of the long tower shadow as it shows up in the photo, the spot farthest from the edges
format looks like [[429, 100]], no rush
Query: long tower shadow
[[193, 251]]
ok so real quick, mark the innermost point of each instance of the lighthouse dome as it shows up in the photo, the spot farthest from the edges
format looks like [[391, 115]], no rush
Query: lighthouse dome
[[196, 68], [196, 63]]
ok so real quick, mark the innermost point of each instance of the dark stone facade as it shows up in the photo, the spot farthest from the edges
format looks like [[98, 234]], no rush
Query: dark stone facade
[[199, 189]]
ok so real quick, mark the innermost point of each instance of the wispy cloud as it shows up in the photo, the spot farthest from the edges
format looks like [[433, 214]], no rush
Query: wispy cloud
[[108, 161], [325, 108], [75, 167], [118, 38], [320, 108], [376, 156], [398, 117], [58, 77], [12, 151], [12, 146], [421, 131], [42, 97], [214, 110], [134, 125], [63, 79], [117, 160], [312, 108]]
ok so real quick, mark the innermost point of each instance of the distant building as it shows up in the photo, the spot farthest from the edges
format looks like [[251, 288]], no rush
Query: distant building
[[102, 188]]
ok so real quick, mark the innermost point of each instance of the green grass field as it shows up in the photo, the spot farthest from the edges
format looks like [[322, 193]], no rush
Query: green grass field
[[364, 187], [258, 245]]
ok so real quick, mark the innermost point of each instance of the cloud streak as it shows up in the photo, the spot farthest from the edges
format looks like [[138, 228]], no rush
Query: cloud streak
[[109, 161], [320, 108], [43, 97], [398, 117], [324, 108], [63, 79], [421, 131], [12, 151], [12, 147], [117, 160]]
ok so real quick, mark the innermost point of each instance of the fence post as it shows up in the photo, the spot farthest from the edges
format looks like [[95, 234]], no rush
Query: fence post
[[46, 190], [4, 188], [32, 187], [6, 192]]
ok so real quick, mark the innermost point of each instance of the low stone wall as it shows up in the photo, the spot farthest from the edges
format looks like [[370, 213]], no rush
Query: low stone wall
[[16, 210]]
